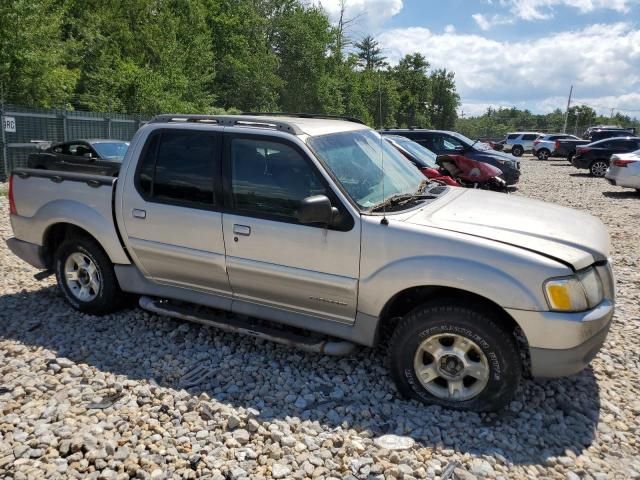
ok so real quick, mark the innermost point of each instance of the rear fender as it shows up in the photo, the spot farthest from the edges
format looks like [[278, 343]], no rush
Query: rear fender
[[34, 229]]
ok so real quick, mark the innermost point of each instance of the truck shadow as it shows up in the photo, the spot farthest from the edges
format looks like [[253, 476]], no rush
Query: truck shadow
[[546, 419]]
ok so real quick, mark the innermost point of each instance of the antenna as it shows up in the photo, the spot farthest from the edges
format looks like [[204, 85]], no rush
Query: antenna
[[384, 220]]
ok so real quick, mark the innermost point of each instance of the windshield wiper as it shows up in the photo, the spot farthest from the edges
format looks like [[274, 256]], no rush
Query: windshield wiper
[[404, 198]]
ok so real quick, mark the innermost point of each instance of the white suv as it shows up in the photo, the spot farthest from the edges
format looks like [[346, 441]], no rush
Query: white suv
[[519, 142]]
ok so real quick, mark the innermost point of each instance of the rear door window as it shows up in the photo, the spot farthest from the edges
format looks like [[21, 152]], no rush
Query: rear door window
[[512, 136], [179, 167], [530, 136]]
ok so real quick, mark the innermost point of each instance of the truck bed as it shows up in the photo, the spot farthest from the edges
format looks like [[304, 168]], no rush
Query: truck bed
[[46, 197]]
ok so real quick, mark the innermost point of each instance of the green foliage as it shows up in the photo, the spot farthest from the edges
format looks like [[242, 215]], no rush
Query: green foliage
[[206, 56]]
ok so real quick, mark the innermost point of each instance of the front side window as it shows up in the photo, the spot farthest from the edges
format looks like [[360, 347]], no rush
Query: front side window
[[512, 136], [530, 136], [271, 178], [368, 168], [178, 167]]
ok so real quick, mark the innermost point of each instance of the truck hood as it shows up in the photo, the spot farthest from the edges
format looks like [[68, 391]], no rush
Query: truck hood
[[565, 234]]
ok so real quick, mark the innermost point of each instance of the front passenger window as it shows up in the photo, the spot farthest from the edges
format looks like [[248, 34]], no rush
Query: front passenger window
[[270, 178]]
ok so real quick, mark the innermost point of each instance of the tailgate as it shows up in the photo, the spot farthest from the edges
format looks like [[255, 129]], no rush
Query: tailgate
[[44, 198]]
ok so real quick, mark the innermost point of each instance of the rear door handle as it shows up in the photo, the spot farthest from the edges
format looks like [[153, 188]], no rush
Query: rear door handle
[[138, 213], [242, 230]]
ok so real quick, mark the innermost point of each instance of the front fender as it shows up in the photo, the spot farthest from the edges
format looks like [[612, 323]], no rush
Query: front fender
[[442, 271]]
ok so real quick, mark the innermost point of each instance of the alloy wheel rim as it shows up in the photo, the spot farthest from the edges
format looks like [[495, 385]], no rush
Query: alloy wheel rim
[[82, 277], [543, 155], [451, 367], [599, 168]]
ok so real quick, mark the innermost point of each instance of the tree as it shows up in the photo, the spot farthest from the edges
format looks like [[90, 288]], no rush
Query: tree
[[33, 71], [414, 90], [444, 100], [369, 54]]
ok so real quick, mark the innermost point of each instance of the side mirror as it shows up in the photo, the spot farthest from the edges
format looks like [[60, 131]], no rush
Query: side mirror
[[89, 155], [460, 148], [316, 209]]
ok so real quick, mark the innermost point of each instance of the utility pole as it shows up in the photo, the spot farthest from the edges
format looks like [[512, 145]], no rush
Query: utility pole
[[566, 116], [576, 127], [612, 113]]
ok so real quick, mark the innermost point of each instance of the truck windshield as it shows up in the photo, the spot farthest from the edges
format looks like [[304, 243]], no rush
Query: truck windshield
[[355, 159], [111, 150]]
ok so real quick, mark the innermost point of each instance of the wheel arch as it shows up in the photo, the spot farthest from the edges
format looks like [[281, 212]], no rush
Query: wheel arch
[[57, 233], [408, 299]]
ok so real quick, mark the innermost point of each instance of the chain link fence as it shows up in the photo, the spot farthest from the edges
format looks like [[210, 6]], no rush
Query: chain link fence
[[23, 128]]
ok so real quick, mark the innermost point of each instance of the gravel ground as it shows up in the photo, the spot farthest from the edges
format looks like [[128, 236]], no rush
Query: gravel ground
[[133, 395]]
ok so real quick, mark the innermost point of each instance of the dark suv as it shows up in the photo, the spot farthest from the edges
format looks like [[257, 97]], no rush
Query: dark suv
[[443, 142]]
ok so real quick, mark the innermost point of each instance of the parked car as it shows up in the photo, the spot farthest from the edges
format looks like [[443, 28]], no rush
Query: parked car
[[566, 147], [442, 142], [600, 133], [624, 170], [423, 159], [100, 157], [544, 146], [497, 145], [299, 221], [597, 135], [519, 142], [595, 156], [455, 170]]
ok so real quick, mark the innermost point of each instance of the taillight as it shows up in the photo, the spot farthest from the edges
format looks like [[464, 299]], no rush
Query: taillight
[[12, 202], [557, 144], [582, 150], [536, 142], [623, 163]]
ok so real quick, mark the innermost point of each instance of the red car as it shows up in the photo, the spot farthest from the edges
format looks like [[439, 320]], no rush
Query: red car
[[422, 158]]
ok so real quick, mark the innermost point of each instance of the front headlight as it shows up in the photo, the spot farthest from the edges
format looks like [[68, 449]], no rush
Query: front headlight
[[576, 293]]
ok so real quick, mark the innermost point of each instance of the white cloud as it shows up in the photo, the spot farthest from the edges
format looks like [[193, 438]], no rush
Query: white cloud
[[371, 13], [486, 22], [449, 29], [601, 61], [530, 10]]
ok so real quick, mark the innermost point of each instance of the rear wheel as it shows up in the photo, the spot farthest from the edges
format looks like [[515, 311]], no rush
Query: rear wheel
[[517, 151], [456, 357], [598, 168], [543, 154], [86, 278]]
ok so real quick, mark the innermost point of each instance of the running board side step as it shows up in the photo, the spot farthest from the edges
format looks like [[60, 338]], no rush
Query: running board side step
[[237, 325]]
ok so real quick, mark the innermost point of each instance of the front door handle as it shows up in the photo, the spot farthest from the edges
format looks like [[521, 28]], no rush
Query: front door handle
[[244, 230], [138, 213]]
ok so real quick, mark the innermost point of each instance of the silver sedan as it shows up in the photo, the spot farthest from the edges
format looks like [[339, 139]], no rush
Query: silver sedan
[[624, 170]]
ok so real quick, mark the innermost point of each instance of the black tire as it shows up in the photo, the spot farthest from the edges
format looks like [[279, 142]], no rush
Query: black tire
[[543, 154], [108, 298], [570, 157], [517, 151], [442, 318], [598, 168]]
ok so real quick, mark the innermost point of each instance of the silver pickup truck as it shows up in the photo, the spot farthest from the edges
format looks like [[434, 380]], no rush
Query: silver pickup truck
[[315, 232]]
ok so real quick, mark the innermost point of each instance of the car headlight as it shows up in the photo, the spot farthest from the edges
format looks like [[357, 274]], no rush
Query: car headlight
[[577, 293]]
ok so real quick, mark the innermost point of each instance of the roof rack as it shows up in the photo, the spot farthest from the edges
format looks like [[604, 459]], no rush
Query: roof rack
[[304, 115], [230, 121]]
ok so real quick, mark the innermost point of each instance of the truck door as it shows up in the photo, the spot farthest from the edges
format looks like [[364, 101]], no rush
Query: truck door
[[171, 212], [272, 259]]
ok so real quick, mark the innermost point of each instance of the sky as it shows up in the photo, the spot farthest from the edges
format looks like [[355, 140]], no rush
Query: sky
[[522, 53]]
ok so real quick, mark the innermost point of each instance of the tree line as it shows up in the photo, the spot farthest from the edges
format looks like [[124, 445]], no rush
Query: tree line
[[496, 123], [210, 56]]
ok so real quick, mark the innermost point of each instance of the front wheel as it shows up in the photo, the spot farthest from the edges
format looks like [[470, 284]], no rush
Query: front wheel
[[455, 357], [598, 168], [86, 278], [517, 151]]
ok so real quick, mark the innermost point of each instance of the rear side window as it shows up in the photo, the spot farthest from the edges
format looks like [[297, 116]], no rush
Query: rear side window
[[512, 136], [178, 167], [530, 136]]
